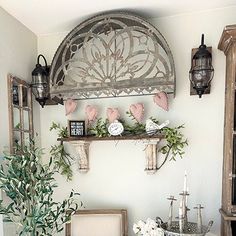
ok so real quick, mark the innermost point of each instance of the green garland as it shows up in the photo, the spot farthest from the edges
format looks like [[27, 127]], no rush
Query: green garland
[[175, 141], [62, 132], [99, 129], [174, 146]]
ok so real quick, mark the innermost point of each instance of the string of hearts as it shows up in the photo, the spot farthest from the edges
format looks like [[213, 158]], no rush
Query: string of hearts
[[137, 110]]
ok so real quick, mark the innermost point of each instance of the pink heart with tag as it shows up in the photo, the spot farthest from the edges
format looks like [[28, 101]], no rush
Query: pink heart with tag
[[112, 114], [91, 113], [161, 99], [137, 110], [70, 106]]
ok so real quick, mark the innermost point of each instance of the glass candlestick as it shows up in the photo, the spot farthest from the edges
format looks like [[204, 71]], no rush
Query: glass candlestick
[[181, 223], [199, 217], [171, 199], [183, 202]]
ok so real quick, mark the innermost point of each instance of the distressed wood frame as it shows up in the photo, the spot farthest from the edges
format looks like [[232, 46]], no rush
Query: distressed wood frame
[[122, 212]]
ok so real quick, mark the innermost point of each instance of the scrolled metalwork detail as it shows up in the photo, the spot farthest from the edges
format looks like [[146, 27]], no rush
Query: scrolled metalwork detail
[[114, 54]]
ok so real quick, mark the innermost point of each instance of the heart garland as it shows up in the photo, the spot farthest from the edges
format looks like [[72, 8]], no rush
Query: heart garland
[[137, 110], [113, 114], [161, 99], [70, 106], [91, 113]]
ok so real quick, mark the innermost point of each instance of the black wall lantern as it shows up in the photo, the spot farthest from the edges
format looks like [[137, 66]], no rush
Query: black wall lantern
[[201, 72], [40, 81], [41, 86]]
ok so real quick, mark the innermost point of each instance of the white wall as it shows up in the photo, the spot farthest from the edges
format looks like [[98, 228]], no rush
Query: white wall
[[18, 50], [116, 178]]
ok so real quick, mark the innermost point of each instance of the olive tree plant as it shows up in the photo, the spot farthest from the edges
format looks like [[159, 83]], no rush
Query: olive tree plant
[[30, 185]]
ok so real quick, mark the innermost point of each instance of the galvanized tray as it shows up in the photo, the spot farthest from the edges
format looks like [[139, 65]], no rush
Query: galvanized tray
[[190, 230]]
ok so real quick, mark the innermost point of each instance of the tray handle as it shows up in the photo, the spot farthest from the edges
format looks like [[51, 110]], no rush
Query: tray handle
[[159, 221], [209, 226]]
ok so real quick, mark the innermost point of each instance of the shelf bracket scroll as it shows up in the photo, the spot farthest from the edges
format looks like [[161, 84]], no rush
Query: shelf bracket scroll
[[82, 149]]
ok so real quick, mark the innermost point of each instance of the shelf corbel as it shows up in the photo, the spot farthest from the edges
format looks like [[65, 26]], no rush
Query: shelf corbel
[[151, 155], [82, 144], [82, 149]]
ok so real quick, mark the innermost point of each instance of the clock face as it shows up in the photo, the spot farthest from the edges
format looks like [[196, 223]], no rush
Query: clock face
[[115, 128]]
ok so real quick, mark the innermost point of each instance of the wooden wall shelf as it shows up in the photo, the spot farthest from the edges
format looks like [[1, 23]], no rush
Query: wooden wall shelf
[[112, 138], [82, 144]]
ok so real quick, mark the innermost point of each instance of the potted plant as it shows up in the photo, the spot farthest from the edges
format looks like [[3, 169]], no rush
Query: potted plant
[[29, 185]]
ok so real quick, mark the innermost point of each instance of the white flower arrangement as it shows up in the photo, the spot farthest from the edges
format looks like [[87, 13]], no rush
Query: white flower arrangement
[[150, 228]]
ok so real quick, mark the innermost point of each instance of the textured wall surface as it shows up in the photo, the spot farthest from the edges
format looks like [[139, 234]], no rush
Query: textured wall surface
[[18, 50], [116, 177]]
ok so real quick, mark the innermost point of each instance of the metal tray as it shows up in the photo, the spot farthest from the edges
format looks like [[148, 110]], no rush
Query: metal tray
[[190, 230]]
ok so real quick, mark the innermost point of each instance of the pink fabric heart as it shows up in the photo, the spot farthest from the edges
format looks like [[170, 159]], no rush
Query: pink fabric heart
[[137, 110], [70, 106], [161, 100], [91, 113], [112, 114]]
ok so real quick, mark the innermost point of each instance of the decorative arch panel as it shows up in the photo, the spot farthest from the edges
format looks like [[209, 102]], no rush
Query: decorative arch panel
[[112, 55]]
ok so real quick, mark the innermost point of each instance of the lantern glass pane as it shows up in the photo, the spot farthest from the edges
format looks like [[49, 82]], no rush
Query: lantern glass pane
[[40, 86], [39, 79], [201, 77]]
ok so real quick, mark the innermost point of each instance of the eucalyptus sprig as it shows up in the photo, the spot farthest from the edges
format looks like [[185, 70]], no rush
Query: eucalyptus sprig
[[30, 186]]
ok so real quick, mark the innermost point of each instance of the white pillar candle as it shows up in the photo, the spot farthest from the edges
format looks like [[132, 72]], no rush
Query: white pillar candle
[[185, 181]]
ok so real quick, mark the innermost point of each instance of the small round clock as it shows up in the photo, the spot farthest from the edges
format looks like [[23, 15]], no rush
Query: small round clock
[[115, 128]]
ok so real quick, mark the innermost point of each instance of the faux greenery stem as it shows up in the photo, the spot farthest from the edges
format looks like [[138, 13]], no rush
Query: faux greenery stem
[[61, 158]]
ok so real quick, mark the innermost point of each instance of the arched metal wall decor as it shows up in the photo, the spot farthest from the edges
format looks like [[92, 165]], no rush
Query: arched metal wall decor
[[113, 54]]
